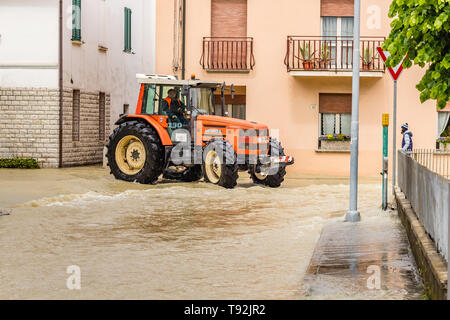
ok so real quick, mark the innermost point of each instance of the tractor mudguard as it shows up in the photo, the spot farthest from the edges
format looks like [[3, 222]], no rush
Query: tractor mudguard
[[162, 132]]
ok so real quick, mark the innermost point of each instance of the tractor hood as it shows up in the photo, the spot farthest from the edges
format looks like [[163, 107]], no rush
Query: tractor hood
[[231, 122]]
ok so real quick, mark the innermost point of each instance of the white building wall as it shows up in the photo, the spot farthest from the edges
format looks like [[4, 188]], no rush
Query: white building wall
[[29, 43], [114, 71]]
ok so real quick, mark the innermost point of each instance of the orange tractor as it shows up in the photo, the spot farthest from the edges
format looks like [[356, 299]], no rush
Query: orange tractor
[[175, 133]]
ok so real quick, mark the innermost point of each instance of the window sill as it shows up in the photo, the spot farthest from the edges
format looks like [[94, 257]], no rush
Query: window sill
[[77, 42], [102, 48], [332, 151], [334, 146], [228, 70]]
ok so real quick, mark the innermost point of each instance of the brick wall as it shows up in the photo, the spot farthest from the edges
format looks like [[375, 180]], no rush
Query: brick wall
[[29, 124], [89, 149]]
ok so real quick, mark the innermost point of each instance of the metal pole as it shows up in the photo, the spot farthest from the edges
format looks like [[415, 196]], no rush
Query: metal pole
[[394, 144], [353, 214], [385, 121]]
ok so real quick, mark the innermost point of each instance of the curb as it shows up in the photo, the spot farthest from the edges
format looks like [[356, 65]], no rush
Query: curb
[[432, 266]]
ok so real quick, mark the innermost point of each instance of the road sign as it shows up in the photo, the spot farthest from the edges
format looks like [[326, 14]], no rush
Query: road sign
[[395, 71]]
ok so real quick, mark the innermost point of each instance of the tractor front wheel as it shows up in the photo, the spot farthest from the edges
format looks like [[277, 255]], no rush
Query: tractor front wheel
[[271, 179], [220, 164], [135, 153]]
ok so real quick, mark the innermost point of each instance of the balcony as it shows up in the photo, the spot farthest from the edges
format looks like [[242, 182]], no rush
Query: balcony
[[332, 56], [231, 54]]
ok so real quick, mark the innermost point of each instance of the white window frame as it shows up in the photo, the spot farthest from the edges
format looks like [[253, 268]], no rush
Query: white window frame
[[338, 42]]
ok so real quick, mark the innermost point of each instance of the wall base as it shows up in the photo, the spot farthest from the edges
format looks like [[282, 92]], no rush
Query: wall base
[[432, 266]]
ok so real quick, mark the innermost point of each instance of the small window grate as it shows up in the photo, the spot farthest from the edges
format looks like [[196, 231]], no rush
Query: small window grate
[[76, 115]]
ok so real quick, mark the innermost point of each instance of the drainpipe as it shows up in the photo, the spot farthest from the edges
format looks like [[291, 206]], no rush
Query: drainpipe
[[60, 84], [183, 54]]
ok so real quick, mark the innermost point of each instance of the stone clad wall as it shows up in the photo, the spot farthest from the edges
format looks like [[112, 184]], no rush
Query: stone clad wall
[[89, 150], [29, 124]]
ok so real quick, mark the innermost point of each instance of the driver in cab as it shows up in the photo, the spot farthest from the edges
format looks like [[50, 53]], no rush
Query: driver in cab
[[174, 108]]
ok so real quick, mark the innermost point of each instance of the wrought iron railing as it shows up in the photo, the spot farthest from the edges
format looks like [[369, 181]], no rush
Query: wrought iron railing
[[227, 54], [328, 53]]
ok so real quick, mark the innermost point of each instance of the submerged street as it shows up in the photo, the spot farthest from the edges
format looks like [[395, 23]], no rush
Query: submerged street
[[175, 240]]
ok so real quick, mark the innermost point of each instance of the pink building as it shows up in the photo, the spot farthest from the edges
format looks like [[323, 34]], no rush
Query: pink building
[[291, 62]]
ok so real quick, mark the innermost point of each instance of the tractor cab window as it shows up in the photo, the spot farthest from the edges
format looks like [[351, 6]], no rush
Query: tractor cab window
[[201, 99], [150, 101]]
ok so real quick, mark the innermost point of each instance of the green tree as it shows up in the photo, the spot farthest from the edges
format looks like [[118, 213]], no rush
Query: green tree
[[421, 30]]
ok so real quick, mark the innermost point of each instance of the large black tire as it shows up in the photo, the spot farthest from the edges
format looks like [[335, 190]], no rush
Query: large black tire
[[154, 161], [274, 180], [229, 166], [191, 174]]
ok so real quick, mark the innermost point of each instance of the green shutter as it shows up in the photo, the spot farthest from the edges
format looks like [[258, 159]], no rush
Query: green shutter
[[127, 29], [76, 20]]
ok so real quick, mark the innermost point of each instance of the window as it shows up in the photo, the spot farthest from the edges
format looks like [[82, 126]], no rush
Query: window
[[338, 34], [236, 107], [335, 116], [101, 116], [335, 124], [126, 108], [76, 20], [127, 30], [76, 115]]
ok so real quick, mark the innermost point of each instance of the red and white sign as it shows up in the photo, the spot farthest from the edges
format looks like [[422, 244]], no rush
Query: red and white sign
[[395, 71]]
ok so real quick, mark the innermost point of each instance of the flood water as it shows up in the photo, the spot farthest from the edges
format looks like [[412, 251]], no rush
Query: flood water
[[167, 241]]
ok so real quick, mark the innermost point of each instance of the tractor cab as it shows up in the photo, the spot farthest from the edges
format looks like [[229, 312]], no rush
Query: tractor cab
[[174, 103]]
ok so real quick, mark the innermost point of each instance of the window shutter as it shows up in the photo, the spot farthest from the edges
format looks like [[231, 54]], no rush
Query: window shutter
[[335, 103], [127, 29], [336, 8], [125, 32], [76, 20], [228, 18]]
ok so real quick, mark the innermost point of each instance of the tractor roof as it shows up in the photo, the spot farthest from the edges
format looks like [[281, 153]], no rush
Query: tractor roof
[[171, 80]]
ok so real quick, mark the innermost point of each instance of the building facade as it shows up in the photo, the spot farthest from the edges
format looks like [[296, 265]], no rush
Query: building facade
[[291, 62], [60, 98]]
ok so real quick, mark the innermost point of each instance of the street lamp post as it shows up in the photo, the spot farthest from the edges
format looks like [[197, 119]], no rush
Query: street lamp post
[[353, 213]]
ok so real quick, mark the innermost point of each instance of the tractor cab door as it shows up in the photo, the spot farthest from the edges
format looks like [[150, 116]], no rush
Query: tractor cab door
[[171, 113]]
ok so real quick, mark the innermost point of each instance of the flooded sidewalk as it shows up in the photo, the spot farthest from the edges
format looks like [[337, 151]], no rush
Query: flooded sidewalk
[[171, 240], [370, 260]]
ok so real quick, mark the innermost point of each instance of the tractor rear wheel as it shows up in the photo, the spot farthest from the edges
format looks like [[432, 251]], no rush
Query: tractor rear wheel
[[220, 164], [273, 180], [135, 153]]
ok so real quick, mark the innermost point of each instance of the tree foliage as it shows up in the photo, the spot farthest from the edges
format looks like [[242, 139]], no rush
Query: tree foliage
[[421, 30]]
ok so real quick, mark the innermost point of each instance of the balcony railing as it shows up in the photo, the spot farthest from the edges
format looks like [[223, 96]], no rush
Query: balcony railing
[[227, 54], [306, 53]]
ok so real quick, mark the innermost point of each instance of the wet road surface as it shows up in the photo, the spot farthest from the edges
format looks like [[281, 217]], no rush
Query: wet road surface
[[171, 240]]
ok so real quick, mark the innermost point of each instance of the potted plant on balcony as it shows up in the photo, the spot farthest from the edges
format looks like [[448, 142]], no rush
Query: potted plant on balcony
[[324, 57], [307, 56], [367, 59]]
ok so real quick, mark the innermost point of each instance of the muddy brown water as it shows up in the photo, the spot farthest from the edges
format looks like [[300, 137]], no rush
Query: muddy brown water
[[167, 241]]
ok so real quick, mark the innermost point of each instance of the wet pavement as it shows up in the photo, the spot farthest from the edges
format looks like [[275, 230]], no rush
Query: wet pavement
[[175, 240], [370, 259]]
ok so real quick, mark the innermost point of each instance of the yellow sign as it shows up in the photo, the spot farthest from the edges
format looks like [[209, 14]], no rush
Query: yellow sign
[[385, 119]]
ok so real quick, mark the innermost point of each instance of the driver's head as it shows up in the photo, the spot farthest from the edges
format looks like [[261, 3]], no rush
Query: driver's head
[[172, 93]]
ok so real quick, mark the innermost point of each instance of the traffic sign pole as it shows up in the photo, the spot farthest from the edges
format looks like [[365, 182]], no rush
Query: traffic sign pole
[[395, 73], [394, 144]]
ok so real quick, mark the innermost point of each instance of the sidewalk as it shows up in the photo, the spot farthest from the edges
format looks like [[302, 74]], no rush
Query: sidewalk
[[370, 259]]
